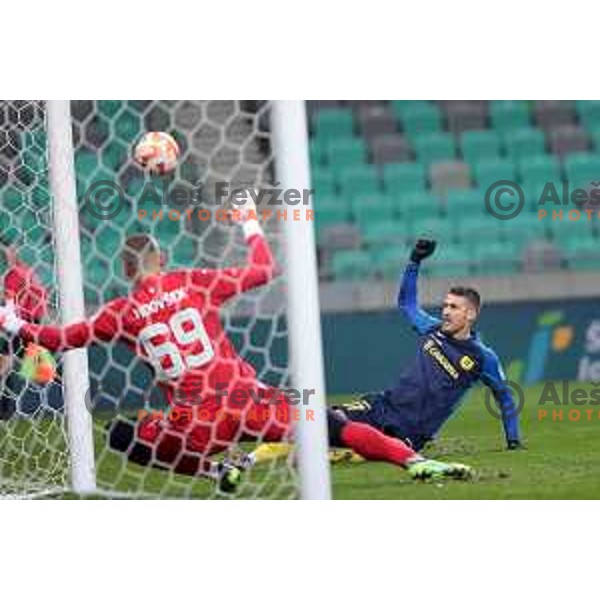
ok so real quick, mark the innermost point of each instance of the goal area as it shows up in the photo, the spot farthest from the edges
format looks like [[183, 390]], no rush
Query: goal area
[[71, 194]]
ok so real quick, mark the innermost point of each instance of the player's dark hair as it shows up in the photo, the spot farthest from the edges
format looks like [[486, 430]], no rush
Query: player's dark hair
[[471, 294], [135, 250]]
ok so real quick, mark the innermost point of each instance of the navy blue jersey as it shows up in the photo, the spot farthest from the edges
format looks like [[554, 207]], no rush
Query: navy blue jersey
[[428, 393]]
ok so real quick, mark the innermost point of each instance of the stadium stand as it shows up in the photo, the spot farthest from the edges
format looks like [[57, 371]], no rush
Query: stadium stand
[[383, 173], [391, 171]]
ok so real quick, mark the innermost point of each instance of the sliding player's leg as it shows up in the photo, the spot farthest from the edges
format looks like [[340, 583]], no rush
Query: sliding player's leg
[[273, 424]]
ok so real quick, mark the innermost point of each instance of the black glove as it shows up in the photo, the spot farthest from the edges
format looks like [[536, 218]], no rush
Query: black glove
[[423, 248], [514, 445]]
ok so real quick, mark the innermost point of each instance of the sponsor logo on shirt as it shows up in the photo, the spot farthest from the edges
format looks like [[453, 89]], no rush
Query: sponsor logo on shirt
[[431, 348]]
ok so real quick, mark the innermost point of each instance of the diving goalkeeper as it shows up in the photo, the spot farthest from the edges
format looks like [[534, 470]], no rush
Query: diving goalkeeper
[[172, 321], [450, 359]]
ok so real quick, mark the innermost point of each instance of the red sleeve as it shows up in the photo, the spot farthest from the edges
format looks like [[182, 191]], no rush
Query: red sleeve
[[226, 283], [104, 326]]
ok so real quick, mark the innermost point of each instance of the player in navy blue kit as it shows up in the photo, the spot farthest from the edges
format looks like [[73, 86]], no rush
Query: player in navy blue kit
[[450, 359]]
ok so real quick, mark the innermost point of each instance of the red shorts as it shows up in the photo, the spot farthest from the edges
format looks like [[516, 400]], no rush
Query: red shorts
[[257, 413]]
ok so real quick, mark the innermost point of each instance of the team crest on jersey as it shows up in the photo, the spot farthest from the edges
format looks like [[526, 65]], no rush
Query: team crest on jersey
[[466, 363]]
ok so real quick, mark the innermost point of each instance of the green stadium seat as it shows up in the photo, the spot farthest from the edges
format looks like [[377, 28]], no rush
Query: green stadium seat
[[107, 238], [372, 208], [114, 155], [509, 114], [581, 168], [12, 199], [476, 226], [34, 232], [317, 152], [537, 169], [346, 152], [390, 203], [434, 147], [134, 186], [34, 161], [420, 119], [450, 260], [399, 107], [8, 227], [127, 126], [490, 170], [418, 205], [497, 258], [97, 273], [589, 113], [594, 134], [35, 138], [331, 123], [524, 142], [330, 201], [167, 230], [559, 229], [86, 163], [476, 145], [384, 233], [323, 182], [438, 227], [521, 230], [184, 253], [331, 214], [544, 192], [389, 261], [352, 265], [461, 202], [358, 180], [40, 197], [404, 178], [581, 251], [109, 108]]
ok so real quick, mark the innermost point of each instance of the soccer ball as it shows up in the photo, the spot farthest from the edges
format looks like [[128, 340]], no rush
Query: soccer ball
[[157, 152]]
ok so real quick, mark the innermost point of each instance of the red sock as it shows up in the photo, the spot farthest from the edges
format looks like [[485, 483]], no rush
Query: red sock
[[374, 445]]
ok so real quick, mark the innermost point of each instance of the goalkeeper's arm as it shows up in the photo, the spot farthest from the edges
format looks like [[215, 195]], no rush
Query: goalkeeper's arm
[[104, 327], [260, 265]]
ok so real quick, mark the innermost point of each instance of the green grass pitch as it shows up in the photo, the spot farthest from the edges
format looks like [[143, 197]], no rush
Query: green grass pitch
[[562, 461]]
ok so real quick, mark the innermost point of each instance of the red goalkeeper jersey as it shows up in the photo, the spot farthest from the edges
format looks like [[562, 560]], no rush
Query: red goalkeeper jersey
[[172, 321], [23, 287]]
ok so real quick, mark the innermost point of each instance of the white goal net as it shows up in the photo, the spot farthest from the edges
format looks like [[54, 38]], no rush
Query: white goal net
[[223, 143]]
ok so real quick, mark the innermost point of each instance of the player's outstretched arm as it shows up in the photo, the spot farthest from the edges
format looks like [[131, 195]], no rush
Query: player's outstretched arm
[[408, 302], [493, 376], [260, 265], [103, 327]]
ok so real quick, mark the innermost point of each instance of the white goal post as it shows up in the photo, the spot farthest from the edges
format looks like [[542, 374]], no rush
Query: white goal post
[[289, 142], [76, 381], [292, 166]]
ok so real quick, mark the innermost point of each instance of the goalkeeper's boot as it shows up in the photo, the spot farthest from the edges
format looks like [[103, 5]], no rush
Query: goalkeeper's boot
[[229, 478], [434, 470], [271, 451]]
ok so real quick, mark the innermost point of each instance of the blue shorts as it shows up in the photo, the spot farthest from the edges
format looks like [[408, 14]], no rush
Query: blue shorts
[[371, 409], [367, 408]]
